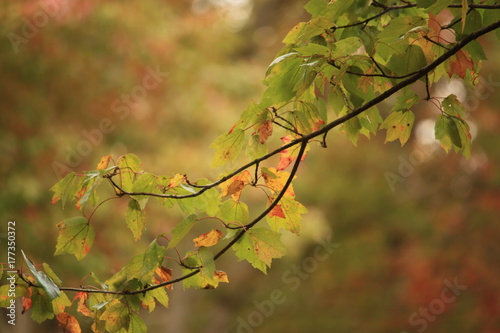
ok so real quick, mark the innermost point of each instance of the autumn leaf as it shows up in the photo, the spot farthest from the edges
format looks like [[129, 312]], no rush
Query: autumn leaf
[[265, 131], [398, 125], [259, 246], [68, 323], [26, 303], [116, 316], [235, 185], [289, 155], [82, 304], [276, 211], [103, 164], [76, 236], [275, 180], [164, 275], [221, 276], [209, 239], [289, 216], [459, 64], [227, 147]]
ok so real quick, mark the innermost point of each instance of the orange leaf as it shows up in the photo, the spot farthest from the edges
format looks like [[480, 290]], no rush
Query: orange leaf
[[165, 275], [235, 185], [26, 302], [275, 180], [289, 155], [277, 211], [209, 239], [265, 131], [221, 276], [68, 323], [82, 306], [459, 64], [103, 164]]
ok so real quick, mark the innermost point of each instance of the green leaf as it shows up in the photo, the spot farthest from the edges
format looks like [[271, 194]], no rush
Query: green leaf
[[398, 125], [136, 218], [227, 147], [207, 265], [303, 31], [145, 183], [370, 121], [437, 6], [65, 189], [400, 26], [405, 101], [453, 107], [280, 59], [136, 325], [42, 280], [50, 273], [316, 7], [129, 164], [346, 46], [116, 316], [313, 49], [412, 60], [88, 191], [181, 230], [453, 132], [76, 236], [233, 213], [142, 267], [41, 307], [352, 127], [259, 246]]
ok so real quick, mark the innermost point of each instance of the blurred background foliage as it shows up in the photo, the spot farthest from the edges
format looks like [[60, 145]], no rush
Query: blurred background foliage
[[398, 241]]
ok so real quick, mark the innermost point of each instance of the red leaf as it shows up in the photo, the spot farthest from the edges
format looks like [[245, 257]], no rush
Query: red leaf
[[26, 302], [265, 131], [82, 306], [459, 64], [277, 211]]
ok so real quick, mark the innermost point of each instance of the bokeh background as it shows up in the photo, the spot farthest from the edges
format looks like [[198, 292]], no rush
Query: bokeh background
[[407, 222]]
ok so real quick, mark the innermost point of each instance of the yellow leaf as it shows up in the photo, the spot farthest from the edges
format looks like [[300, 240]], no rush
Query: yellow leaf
[[103, 164], [209, 239]]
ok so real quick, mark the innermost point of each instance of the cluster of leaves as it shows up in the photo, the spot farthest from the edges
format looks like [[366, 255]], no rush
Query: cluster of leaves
[[341, 64]]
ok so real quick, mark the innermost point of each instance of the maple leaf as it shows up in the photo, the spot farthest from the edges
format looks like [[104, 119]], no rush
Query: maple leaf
[[398, 125], [235, 185], [76, 236], [276, 211], [26, 302], [288, 216], [459, 64], [259, 246], [275, 180], [265, 131], [208, 239], [289, 155], [104, 162], [68, 323], [82, 306], [164, 275]]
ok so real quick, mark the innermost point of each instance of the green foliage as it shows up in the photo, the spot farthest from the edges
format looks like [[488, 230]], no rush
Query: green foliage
[[341, 64]]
